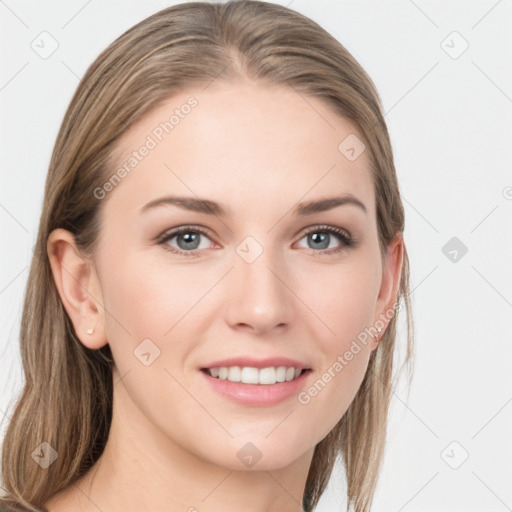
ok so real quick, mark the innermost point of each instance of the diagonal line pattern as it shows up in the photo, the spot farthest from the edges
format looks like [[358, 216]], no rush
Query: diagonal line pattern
[[13, 13], [14, 76], [494, 288], [76, 14], [403, 506], [491, 490], [417, 416], [491, 80], [410, 293], [95, 96], [121, 378], [218, 485], [424, 14], [503, 407], [279, 423], [88, 497], [74, 74], [282, 487], [413, 87], [14, 218], [421, 215], [215, 78], [12, 280], [485, 15], [484, 218]]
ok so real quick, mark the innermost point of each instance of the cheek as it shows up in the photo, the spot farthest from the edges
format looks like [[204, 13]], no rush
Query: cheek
[[150, 324], [343, 299], [330, 393], [149, 299], [344, 306]]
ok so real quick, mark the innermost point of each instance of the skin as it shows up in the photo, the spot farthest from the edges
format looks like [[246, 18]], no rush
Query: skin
[[259, 151]]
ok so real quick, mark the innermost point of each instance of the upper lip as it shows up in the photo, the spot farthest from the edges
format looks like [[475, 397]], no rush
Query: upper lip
[[258, 363]]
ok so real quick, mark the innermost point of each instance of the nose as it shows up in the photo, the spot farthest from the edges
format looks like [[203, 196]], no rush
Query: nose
[[260, 300]]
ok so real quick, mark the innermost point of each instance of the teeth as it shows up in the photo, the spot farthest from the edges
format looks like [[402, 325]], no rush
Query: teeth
[[266, 376], [234, 374], [250, 375], [281, 374]]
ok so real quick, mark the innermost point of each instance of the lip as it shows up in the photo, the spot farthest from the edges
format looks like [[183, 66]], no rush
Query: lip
[[259, 363], [257, 395]]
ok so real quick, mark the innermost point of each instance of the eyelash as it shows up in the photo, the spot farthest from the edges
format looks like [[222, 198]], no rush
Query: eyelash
[[343, 235]]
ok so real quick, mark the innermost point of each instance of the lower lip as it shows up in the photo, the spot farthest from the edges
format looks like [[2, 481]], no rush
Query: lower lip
[[257, 395]]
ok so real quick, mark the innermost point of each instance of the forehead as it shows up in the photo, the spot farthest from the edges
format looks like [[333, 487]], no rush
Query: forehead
[[243, 144]]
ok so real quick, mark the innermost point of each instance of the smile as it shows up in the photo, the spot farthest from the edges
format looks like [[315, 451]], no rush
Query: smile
[[250, 375], [256, 394]]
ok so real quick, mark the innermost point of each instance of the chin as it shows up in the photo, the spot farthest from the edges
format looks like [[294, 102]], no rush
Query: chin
[[262, 454]]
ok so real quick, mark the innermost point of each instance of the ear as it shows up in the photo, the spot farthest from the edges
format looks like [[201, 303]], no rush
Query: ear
[[391, 274], [78, 285]]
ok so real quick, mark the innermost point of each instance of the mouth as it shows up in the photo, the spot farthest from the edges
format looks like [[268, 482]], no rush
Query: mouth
[[256, 376]]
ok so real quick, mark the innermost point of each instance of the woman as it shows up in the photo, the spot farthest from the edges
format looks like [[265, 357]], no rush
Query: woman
[[186, 344]]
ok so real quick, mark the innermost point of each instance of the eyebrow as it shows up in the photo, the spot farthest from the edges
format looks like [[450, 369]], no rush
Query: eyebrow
[[207, 206]]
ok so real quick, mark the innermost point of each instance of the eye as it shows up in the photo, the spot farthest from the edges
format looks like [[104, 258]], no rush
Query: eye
[[321, 237], [187, 238]]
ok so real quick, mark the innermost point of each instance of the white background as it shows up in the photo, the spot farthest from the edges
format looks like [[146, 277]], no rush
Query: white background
[[449, 120]]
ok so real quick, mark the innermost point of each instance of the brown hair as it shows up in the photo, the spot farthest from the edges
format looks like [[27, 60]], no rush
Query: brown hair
[[67, 396]]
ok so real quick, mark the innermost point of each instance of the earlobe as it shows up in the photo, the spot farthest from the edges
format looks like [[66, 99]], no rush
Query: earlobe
[[391, 276], [78, 287]]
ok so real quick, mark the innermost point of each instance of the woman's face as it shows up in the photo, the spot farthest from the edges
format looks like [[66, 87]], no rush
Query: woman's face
[[249, 282]]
